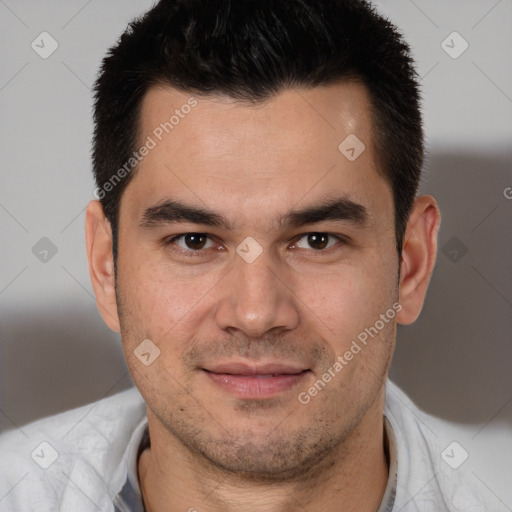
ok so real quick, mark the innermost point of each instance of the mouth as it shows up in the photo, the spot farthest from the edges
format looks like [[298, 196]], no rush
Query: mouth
[[255, 382]]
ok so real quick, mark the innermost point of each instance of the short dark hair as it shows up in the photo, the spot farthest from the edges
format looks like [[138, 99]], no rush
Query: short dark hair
[[251, 50]]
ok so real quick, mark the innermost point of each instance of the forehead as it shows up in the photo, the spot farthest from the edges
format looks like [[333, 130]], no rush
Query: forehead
[[317, 116], [295, 146]]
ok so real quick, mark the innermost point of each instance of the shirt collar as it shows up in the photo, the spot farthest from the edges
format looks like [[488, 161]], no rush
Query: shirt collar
[[126, 488], [388, 500], [125, 483]]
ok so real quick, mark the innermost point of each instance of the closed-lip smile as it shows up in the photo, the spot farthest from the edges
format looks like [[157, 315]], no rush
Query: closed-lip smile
[[258, 381]]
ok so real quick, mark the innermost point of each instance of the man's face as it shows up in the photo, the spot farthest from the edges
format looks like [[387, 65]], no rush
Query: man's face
[[246, 326]]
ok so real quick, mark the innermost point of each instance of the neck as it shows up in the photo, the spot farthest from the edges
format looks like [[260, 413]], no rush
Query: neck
[[354, 474]]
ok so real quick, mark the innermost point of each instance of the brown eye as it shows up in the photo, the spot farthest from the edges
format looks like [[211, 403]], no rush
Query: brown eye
[[192, 242], [195, 241], [317, 241]]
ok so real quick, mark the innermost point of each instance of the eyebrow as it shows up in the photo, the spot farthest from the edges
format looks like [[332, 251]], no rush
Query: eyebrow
[[335, 209], [338, 209], [175, 211]]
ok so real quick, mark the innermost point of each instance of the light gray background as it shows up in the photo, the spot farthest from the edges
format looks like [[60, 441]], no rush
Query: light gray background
[[455, 361]]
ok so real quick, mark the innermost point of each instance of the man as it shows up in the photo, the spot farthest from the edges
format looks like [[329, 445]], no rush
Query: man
[[257, 238]]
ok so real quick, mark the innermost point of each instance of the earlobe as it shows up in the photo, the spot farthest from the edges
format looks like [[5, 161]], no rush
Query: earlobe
[[418, 257], [101, 263]]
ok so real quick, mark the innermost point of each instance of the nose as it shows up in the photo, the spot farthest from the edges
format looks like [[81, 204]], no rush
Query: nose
[[256, 299]]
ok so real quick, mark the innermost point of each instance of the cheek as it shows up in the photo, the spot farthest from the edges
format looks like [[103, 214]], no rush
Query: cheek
[[346, 302], [166, 302]]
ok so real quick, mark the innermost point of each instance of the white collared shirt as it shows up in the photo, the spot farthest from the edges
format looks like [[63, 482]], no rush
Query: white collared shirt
[[86, 460]]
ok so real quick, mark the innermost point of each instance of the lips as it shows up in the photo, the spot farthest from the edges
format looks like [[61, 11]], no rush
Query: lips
[[246, 370], [255, 382]]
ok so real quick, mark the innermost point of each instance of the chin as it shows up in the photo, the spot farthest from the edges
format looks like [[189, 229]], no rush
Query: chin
[[263, 457]]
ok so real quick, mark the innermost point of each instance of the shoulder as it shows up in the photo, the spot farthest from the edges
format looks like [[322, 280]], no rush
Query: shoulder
[[43, 461], [435, 467]]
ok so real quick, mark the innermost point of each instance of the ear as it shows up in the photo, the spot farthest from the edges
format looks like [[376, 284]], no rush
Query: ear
[[419, 251], [98, 235]]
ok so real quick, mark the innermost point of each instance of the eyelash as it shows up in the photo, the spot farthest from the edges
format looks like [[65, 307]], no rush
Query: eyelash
[[169, 242]]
